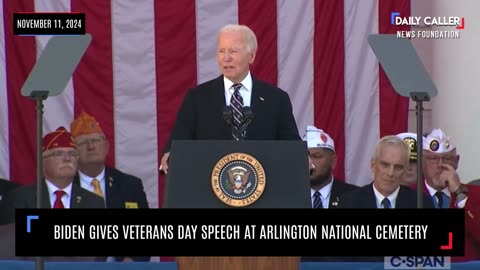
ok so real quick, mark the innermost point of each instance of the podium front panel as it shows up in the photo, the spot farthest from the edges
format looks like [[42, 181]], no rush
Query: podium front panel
[[192, 164]]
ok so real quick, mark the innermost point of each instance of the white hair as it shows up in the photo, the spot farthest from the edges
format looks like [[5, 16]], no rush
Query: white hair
[[251, 38], [393, 141]]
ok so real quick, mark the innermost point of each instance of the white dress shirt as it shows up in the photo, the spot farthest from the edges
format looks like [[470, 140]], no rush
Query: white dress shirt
[[52, 196], [245, 91], [324, 194], [379, 197]]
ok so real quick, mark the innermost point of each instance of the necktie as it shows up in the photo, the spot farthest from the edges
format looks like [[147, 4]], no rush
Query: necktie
[[236, 102], [96, 187], [317, 200], [58, 199], [439, 196], [386, 203]]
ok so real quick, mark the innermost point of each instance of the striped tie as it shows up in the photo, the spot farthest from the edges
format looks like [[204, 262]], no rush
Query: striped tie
[[237, 106], [317, 200]]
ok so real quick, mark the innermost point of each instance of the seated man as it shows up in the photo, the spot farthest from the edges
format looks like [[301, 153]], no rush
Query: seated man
[[60, 159], [118, 189], [442, 184], [411, 175], [325, 188], [389, 165]]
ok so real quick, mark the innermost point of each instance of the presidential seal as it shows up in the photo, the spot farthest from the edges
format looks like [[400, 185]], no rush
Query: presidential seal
[[238, 179]]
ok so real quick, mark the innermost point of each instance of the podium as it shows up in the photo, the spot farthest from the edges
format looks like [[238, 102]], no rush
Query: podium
[[238, 174], [238, 263]]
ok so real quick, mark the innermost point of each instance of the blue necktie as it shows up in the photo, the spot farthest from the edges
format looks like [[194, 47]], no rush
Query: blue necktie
[[443, 201], [236, 102], [317, 201], [386, 203]]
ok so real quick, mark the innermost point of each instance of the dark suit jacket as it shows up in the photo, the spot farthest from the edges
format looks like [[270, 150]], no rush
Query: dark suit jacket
[[200, 116], [6, 186], [364, 197], [26, 197], [339, 187], [120, 189]]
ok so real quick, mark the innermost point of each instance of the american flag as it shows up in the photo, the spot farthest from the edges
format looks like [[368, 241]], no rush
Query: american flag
[[146, 54]]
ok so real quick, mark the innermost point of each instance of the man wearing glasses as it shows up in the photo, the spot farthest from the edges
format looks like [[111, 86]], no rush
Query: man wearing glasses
[[60, 158], [443, 184], [119, 189]]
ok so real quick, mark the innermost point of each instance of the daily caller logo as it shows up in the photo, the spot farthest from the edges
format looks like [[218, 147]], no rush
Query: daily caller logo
[[447, 23]]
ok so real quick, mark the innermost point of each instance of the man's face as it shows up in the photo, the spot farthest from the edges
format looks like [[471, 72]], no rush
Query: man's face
[[411, 173], [324, 161], [92, 148], [233, 56], [60, 163], [432, 166], [389, 168]]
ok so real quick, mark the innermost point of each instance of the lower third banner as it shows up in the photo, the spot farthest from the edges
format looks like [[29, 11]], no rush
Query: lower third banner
[[239, 232]]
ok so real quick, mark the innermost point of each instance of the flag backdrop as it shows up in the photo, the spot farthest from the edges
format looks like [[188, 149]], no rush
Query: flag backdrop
[[145, 54]]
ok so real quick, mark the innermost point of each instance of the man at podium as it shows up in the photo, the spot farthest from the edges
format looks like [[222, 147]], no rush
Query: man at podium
[[235, 105]]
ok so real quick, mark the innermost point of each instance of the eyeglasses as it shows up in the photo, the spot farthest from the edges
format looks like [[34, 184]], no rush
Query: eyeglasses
[[91, 141], [61, 154], [436, 159]]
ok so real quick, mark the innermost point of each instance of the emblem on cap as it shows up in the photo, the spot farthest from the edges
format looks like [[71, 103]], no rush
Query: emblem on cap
[[323, 137], [238, 179], [434, 145]]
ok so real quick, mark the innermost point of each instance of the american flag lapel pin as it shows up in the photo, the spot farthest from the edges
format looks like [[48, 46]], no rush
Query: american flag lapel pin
[[262, 99]]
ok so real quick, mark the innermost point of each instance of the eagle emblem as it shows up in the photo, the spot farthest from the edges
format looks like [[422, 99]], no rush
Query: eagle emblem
[[238, 178]]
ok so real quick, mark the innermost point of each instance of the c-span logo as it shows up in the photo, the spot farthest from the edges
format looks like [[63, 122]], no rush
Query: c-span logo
[[238, 179]]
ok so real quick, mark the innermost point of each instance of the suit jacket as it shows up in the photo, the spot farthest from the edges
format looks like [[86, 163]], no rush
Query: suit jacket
[[26, 197], [364, 197], [339, 187], [472, 222], [122, 189], [200, 116], [6, 186]]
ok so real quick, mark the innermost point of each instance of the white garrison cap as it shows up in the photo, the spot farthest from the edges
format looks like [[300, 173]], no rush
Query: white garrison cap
[[438, 142], [411, 139], [318, 138]]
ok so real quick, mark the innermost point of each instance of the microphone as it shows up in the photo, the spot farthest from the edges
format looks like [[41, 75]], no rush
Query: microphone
[[247, 116], [227, 115]]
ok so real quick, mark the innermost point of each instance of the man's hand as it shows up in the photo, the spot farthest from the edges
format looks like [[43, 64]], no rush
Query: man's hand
[[164, 163], [450, 177]]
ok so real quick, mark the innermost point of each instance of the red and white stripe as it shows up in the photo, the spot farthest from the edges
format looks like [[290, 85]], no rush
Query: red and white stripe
[[145, 55]]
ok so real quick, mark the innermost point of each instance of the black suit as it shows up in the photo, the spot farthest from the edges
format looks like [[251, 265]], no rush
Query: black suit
[[26, 197], [200, 116], [338, 189], [122, 189], [364, 197], [6, 186]]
